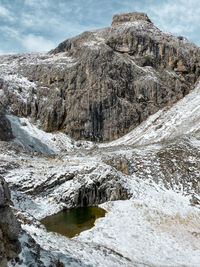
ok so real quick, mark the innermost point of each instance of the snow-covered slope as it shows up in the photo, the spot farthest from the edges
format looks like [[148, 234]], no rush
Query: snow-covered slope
[[156, 226], [28, 135], [167, 124], [140, 231]]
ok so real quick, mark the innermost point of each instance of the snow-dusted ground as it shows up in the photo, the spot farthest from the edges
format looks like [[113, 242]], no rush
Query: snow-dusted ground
[[28, 135], [157, 226]]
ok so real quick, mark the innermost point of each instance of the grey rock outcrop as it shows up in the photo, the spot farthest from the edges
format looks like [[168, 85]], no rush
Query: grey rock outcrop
[[120, 163], [9, 227], [100, 191], [5, 127], [101, 84], [4, 193]]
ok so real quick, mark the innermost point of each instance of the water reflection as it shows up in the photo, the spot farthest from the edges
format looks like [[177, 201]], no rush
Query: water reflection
[[72, 222]]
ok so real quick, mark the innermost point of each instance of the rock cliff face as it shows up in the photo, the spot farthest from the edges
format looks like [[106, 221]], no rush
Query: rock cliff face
[[9, 227], [101, 84]]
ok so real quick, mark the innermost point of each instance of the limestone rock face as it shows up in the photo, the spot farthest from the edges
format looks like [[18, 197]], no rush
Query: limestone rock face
[[9, 227], [101, 84]]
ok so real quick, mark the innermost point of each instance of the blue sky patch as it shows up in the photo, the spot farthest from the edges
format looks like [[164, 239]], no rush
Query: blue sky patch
[[33, 25]]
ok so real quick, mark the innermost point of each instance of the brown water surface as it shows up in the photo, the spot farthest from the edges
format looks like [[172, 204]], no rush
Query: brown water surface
[[72, 222]]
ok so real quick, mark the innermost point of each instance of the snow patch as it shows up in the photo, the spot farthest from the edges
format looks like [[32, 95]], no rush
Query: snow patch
[[28, 135]]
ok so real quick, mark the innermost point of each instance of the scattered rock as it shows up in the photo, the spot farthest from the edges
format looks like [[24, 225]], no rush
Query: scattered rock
[[120, 163], [24, 123], [194, 200]]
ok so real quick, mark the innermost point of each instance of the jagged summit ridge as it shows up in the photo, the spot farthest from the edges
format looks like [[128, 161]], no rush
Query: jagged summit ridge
[[122, 18]]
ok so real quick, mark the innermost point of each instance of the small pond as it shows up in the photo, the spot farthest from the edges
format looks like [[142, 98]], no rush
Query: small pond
[[73, 221]]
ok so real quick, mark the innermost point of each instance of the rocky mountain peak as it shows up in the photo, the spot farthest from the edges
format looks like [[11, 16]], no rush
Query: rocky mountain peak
[[122, 18], [101, 84]]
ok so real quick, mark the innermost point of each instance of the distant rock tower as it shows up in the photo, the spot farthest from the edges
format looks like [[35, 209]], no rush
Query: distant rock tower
[[122, 18]]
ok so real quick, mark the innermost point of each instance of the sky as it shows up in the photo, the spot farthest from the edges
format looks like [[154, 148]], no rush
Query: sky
[[40, 25]]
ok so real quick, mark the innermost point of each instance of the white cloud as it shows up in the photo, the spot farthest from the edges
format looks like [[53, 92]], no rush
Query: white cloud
[[11, 32], [69, 18], [36, 3], [180, 16], [5, 13], [30, 2], [2, 52], [31, 42], [37, 43]]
